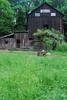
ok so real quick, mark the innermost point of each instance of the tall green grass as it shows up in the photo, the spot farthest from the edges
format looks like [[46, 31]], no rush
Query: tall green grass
[[25, 76], [62, 47]]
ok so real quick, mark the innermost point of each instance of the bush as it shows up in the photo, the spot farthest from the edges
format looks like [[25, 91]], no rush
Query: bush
[[48, 43], [62, 47], [51, 43], [39, 46], [50, 38]]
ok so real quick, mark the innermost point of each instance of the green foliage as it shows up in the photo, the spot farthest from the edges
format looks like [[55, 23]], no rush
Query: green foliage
[[50, 38], [48, 42], [6, 17], [49, 33], [62, 47], [25, 76], [21, 21], [65, 13]]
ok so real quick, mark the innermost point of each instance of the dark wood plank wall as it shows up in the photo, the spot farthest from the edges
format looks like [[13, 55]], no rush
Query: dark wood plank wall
[[23, 40], [19, 40], [37, 22]]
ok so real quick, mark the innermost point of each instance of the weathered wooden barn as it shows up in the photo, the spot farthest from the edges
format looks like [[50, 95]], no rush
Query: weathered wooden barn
[[45, 16], [15, 41]]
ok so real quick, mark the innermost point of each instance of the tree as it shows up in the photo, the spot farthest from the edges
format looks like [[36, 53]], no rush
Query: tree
[[64, 10], [20, 21], [6, 17]]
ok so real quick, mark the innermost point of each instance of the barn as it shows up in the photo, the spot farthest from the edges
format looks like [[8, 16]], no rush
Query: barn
[[16, 40], [45, 16]]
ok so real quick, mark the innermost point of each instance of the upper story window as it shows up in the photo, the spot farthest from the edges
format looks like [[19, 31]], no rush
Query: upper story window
[[45, 11], [37, 14], [53, 14]]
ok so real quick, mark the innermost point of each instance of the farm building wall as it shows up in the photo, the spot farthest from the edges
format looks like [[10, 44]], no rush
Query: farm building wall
[[22, 40], [45, 17], [7, 43], [18, 40]]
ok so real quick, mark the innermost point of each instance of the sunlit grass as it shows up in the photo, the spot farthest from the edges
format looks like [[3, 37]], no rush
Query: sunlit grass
[[26, 76]]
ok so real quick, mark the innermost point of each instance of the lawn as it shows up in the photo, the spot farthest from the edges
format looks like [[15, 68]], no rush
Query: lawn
[[26, 76]]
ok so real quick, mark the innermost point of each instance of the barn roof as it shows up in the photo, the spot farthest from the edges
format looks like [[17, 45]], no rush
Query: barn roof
[[5, 36], [12, 34], [49, 6]]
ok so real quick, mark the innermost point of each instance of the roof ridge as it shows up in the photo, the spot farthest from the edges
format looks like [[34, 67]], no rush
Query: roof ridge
[[48, 5]]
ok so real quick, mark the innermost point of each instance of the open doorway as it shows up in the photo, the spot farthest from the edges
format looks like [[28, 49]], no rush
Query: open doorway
[[46, 26], [18, 43]]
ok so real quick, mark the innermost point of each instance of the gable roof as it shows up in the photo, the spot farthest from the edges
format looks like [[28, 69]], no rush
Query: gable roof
[[49, 6], [5, 36]]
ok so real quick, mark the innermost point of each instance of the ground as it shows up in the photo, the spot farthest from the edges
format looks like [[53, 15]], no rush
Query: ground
[[26, 76]]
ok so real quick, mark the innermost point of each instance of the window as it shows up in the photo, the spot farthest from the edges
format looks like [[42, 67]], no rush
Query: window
[[45, 11], [37, 14], [53, 14]]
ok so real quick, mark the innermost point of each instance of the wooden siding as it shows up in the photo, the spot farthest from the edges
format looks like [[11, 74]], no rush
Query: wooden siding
[[7, 43], [38, 22], [19, 40], [23, 38]]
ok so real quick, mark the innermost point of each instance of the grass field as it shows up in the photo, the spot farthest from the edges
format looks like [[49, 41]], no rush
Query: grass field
[[25, 76]]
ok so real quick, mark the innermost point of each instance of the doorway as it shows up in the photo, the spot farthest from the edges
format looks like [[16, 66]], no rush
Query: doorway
[[18, 43], [45, 26]]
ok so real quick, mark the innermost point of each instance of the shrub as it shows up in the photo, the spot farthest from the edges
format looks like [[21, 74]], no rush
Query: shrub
[[50, 38], [62, 47], [48, 42], [39, 45]]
